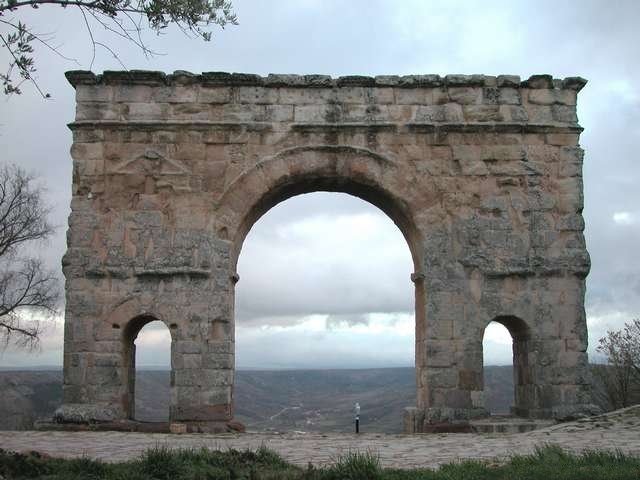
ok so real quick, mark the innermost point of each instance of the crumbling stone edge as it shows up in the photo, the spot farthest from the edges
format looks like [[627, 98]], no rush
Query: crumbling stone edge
[[181, 77]]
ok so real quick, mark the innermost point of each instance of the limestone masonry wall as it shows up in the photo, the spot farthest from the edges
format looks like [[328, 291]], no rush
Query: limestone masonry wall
[[482, 174]]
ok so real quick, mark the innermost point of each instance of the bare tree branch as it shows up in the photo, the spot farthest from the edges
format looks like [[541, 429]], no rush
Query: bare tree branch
[[15, 5], [26, 287], [23, 215]]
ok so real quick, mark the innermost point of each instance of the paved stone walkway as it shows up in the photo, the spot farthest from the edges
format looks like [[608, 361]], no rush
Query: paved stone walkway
[[618, 430]]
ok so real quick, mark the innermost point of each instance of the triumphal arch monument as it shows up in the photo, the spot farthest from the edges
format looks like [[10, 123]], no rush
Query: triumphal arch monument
[[482, 174]]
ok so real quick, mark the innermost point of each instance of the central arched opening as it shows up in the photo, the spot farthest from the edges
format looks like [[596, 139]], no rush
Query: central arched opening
[[325, 317]]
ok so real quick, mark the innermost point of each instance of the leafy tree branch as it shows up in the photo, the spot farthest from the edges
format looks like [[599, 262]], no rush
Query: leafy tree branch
[[126, 19]]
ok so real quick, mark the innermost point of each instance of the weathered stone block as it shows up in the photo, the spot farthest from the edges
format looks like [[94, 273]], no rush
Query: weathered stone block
[[564, 113], [465, 95], [509, 96], [218, 396], [213, 94], [218, 361], [190, 111], [413, 96], [539, 113], [482, 113], [94, 93], [440, 353], [562, 139], [453, 112], [439, 378], [554, 96], [570, 222], [513, 113], [470, 380], [175, 94], [430, 114], [97, 111], [146, 111], [381, 96], [539, 81], [279, 113], [303, 96], [490, 95], [318, 113], [508, 81], [133, 93], [257, 95], [470, 160]]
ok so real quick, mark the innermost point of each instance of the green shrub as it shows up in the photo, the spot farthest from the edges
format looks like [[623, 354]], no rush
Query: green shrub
[[356, 466], [17, 465], [160, 463], [84, 468]]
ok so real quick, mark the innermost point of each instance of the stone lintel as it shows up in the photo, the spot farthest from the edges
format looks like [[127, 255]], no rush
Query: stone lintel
[[172, 271], [160, 125], [148, 272], [484, 127]]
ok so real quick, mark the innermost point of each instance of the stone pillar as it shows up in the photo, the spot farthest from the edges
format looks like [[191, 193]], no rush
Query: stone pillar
[[204, 360], [94, 375], [154, 270], [203, 385], [448, 355], [523, 380], [559, 364], [545, 317]]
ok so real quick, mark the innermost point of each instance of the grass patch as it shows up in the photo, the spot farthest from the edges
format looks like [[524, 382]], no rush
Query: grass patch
[[162, 463]]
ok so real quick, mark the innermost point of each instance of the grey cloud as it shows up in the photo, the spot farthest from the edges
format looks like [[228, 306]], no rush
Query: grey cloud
[[290, 274], [334, 321], [246, 318], [287, 349]]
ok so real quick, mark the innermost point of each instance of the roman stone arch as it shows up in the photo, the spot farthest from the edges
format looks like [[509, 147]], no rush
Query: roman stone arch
[[483, 176]]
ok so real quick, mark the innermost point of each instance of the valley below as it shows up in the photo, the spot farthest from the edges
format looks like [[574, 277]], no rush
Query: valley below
[[265, 400]]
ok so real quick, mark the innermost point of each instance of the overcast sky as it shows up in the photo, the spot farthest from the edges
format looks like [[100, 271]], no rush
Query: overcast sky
[[331, 286]]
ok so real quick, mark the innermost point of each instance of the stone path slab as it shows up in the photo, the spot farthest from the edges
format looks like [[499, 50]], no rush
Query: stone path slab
[[618, 430]]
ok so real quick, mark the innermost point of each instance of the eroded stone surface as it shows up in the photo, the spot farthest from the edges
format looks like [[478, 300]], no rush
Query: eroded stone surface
[[482, 174]]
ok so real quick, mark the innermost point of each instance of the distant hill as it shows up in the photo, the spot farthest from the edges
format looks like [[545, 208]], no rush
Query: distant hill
[[282, 400], [26, 396]]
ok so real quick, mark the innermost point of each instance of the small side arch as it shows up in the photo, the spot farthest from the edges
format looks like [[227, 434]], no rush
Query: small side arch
[[130, 331], [523, 374]]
